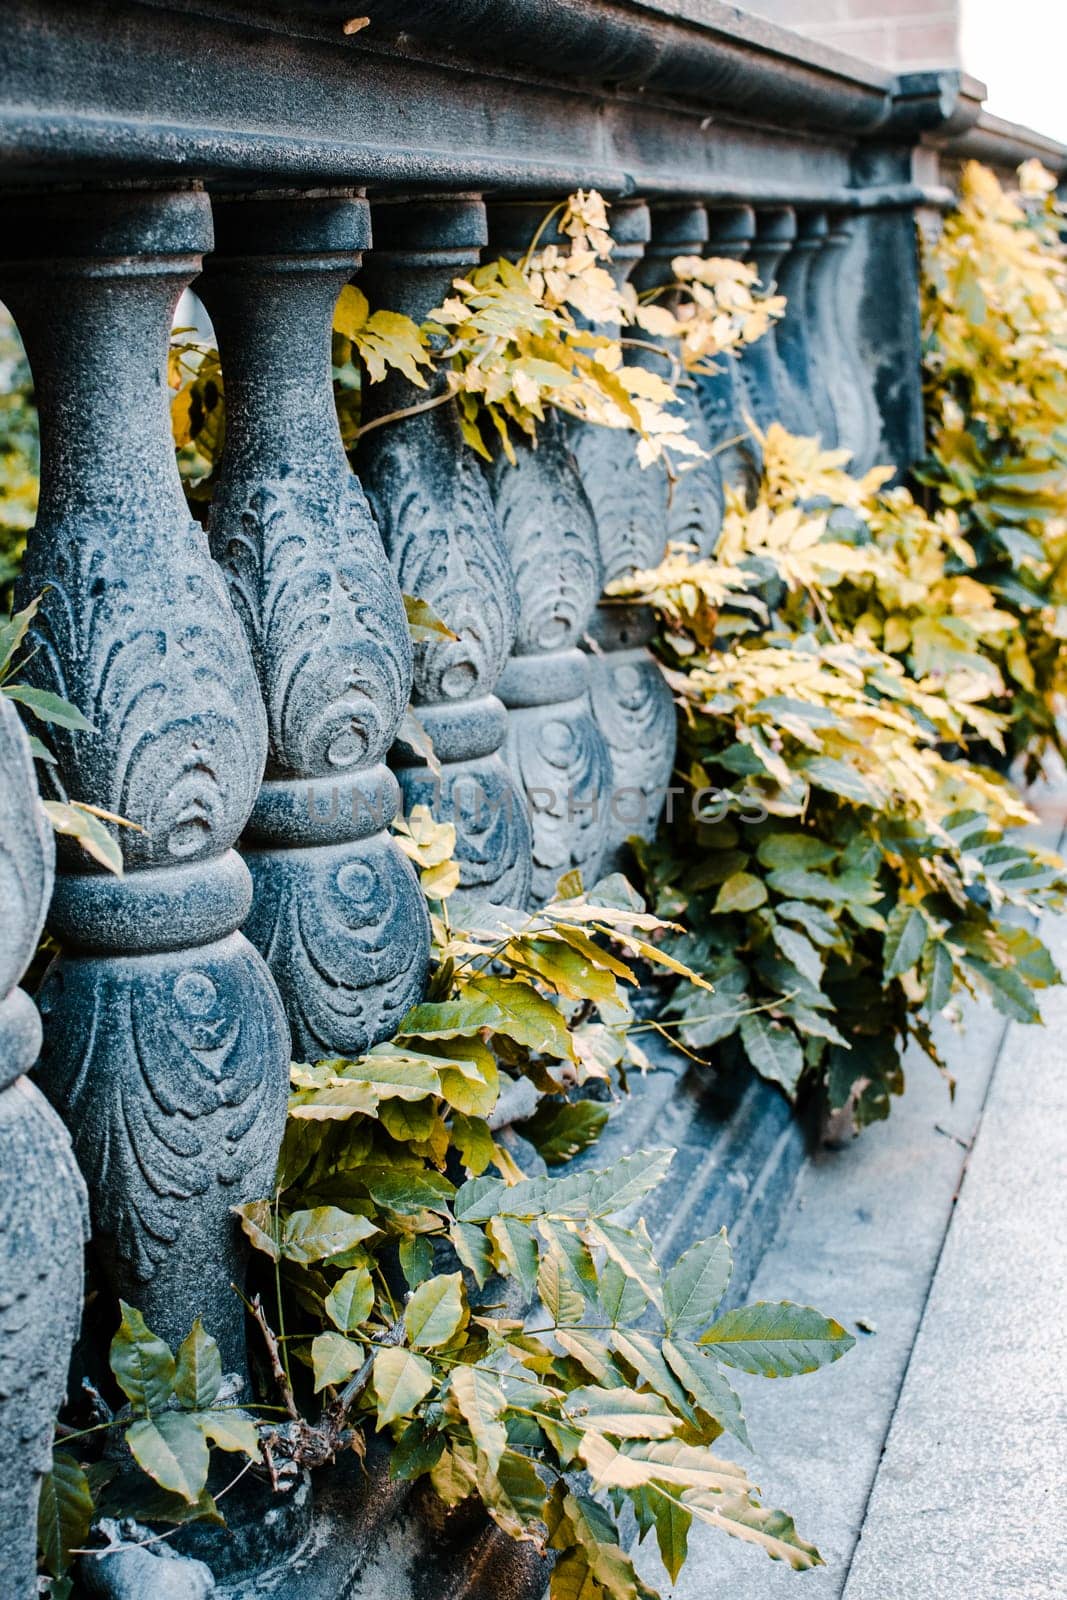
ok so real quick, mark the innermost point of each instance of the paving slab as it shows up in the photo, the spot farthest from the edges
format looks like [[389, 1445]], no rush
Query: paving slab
[[860, 1240], [970, 1501]]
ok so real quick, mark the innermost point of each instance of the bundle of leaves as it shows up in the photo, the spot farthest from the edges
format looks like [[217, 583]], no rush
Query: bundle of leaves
[[844, 870], [515, 340], [177, 1407], [407, 1249], [995, 335]]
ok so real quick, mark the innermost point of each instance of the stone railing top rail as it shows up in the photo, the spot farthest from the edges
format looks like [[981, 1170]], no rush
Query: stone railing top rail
[[661, 97]]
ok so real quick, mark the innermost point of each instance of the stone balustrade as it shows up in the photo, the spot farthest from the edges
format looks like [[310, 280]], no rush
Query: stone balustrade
[[247, 684]]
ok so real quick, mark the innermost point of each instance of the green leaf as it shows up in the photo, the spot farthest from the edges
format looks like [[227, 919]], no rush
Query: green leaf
[[707, 1388], [802, 850], [622, 1298], [629, 1180], [351, 1300], [646, 1358], [515, 1249], [557, 1289], [13, 630], [904, 940], [416, 1451], [777, 1340], [64, 1512], [322, 1232], [673, 1522], [1009, 992], [557, 1132], [696, 1283], [773, 1049], [473, 1141], [800, 951], [436, 1311], [631, 1250], [407, 1190], [664, 1461], [773, 1531], [416, 1259], [257, 1224], [740, 892], [400, 1380], [334, 1359], [229, 1428], [74, 822], [198, 1375], [482, 1403], [143, 1365], [49, 707], [939, 975], [510, 1007], [400, 1075], [473, 1249], [172, 1450], [623, 1413]]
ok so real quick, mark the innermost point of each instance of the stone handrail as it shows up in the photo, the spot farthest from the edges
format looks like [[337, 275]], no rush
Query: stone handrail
[[247, 685]]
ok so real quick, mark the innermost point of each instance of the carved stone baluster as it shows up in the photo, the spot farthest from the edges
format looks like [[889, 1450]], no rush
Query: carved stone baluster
[[837, 281], [807, 409], [636, 513], [554, 746], [440, 530], [165, 1047], [776, 228], [723, 395], [694, 513], [337, 911], [43, 1206]]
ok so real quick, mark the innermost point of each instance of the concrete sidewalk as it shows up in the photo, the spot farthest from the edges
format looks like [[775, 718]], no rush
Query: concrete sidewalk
[[929, 1464]]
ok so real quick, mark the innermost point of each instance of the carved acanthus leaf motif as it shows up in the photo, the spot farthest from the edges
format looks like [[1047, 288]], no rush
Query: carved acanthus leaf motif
[[143, 643], [550, 535], [345, 933], [493, 840], [630, 502], [324, 619], [440, 531], [168, 1072], [560, 759]]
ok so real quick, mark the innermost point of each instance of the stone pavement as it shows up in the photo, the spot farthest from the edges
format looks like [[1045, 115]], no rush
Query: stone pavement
[[930, 1463]]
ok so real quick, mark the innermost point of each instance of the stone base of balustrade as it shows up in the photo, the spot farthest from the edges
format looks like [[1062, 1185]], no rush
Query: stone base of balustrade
[[362, 1536]]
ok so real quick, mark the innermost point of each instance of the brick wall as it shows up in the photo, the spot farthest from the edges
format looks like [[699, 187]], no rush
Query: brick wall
[[893, 33]]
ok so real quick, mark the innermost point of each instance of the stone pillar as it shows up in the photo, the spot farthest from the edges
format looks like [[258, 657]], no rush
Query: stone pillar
[[165, 1047], [337, 911], [694, 511], [723, 395], [765, 382], [637, 510], [437, 519], [837, 287], [554, 747], [43, 1210], [807, 409]]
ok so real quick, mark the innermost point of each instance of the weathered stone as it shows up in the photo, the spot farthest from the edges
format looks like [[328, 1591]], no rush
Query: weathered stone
[[806, 405], [554, 747], [441, 533], [337, 911], [43, 1209], [765, 382], [723, 394], [837, 289], [165, 1047]]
